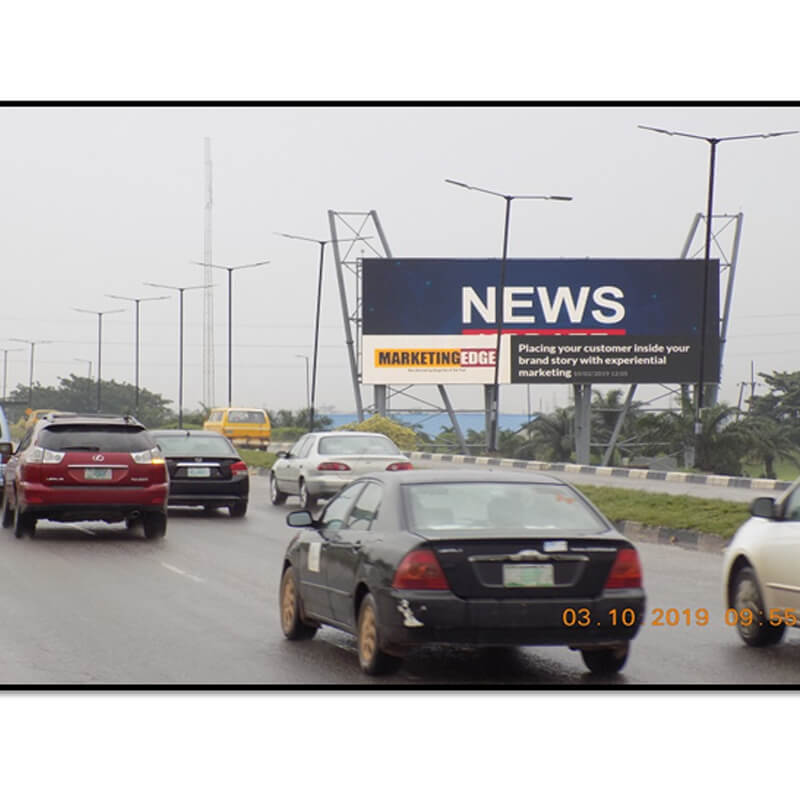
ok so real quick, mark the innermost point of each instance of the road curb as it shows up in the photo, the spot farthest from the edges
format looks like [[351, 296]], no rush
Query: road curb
[[685, 539], [608, 472]]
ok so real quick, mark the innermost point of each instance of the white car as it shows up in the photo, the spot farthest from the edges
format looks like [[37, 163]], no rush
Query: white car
[[320, 464], [761, 572]]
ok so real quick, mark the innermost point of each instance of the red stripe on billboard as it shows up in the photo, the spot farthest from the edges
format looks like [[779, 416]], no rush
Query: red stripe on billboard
[[551, 331]]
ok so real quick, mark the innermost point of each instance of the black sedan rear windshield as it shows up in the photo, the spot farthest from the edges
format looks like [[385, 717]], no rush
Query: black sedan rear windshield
[[184, 446], [101, 437], [499, 506]]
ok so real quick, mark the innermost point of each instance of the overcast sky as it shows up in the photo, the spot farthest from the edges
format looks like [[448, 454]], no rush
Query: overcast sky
[[100, 200]]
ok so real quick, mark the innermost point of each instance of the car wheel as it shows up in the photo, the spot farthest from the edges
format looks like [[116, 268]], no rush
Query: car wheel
[[606, 662], [277, 497], [238, 510], [155, 524], [372, 659], [292, 623], [7, 513], [746, 595], [24, 522], [307, 500]]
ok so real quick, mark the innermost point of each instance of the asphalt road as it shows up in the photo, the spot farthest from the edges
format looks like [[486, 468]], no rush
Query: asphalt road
[[98, 605]]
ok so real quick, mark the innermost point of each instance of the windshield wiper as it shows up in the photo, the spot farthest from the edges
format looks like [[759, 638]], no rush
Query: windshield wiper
[[89, 448]]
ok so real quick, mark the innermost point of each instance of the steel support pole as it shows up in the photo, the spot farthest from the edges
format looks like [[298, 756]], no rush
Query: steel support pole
[[99, 357], [713, 390], [136, 392], [453, 420], [618, 425], [582, 392], [698, 428], [30, 379], [230, 337], [348, 335], [380, 399], [495, 410], [180, 360], [316, 339]]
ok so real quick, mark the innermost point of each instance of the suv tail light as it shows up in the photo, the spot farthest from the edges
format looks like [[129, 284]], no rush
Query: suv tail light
[[626, 572], [152, 456], [420, 569], [333, 466], [39, 455], [398, 465], [238, 466]]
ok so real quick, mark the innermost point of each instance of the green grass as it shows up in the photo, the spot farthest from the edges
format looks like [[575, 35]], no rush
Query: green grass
[[785, 470], [256, 458], [721, 517]]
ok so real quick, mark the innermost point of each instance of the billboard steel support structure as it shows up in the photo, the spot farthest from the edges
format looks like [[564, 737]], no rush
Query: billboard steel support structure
[[354, 223], [726, 263]]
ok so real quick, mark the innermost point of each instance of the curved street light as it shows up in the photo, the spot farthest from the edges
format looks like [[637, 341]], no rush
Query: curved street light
[[180, 290], [137, 301], [100, 315], [491, 438], [230, 270], [713, 141], [321, 243]]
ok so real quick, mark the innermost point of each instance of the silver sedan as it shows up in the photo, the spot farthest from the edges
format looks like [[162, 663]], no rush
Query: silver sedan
[[320, 464]]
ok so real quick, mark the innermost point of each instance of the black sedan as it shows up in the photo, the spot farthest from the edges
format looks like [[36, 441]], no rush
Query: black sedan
[[204, 470], [455, 557]]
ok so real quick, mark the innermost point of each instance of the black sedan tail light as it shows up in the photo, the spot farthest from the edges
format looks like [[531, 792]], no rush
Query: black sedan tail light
[[626, 572], [238, 467], [420, 569]]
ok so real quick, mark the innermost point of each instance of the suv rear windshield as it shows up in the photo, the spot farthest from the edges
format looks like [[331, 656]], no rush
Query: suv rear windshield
[[100, 437]]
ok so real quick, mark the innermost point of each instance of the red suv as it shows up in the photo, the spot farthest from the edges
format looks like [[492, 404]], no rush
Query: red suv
[[71, 467]]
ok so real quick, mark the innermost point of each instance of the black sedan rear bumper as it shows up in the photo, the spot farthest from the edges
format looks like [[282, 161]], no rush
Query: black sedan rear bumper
[[410, 618], [201, 492]]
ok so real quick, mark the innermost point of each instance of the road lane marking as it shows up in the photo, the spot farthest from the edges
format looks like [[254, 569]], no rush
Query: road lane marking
[[182, 572]]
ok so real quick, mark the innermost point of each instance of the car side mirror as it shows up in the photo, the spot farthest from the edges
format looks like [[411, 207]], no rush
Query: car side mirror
[[6, 449], [300, 519], [763, 507], [283, 454]]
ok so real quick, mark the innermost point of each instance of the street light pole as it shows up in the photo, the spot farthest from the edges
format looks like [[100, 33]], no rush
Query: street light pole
[[30, 376], [308, 395], [180, 290], [321, 243], [494, 411], [100, 315], [713, 142], [137, 301], [230, 271], [5, 366]]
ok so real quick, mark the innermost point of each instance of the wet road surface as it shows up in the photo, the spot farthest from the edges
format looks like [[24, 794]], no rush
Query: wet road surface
[[96, 604]]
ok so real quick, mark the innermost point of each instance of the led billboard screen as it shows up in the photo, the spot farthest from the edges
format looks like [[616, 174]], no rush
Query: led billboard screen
[[564, 321]]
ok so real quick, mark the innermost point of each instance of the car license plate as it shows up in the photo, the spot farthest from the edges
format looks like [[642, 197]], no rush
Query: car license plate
[[198, 472], [97, 474], [524, 575]]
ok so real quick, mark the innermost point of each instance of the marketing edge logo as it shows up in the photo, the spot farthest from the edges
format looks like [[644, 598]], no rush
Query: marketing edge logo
[[437, 357]]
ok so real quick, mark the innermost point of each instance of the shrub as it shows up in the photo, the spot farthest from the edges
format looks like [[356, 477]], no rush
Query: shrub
[[405, 438]]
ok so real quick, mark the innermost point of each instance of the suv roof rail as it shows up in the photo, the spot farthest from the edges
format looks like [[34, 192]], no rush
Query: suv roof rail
[[92, 415]]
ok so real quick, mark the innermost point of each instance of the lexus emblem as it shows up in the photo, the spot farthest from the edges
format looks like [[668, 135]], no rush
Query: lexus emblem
[[98, 457]]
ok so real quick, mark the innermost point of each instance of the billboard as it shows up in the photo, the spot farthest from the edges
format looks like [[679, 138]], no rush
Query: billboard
[[563, 320]]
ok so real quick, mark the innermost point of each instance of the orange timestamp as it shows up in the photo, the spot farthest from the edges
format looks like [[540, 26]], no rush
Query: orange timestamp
[[671, 617]]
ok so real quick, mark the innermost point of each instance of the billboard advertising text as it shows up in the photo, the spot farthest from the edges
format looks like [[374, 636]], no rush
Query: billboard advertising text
[[563, 321]]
